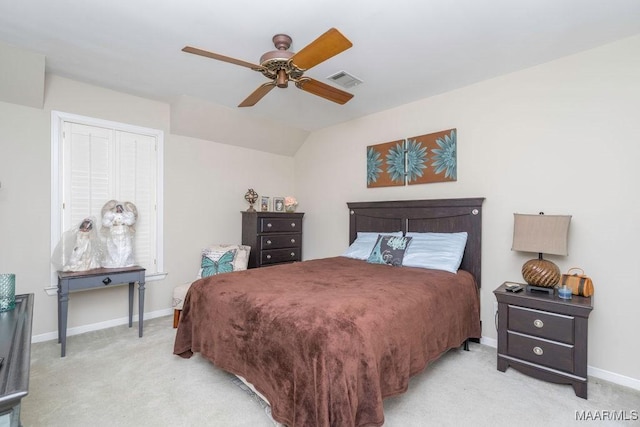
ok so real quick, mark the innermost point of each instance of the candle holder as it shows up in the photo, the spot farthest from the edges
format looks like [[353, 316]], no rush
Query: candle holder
[[7, 292], [564, 292]]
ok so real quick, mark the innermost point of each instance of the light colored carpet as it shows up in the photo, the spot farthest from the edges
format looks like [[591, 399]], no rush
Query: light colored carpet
[[113, 378]]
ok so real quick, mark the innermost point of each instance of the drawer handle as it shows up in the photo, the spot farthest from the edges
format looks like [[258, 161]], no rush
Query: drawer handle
[[538, 351], [538, 323], [268, 256], [106, 281], [293, 254], [269, 225], [293, 224], [268, 242], [293, 240]]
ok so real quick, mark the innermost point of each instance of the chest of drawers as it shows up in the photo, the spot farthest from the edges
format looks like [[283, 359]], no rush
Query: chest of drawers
[[544, 336], [274, 237]]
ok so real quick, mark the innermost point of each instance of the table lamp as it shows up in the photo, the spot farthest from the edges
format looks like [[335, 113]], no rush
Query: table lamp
[[541, 233]]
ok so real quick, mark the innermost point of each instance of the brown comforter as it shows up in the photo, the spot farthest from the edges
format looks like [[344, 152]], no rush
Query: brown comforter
[[326, 340]]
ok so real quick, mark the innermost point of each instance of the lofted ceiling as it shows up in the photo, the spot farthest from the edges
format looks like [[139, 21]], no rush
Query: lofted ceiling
[[403, 50]]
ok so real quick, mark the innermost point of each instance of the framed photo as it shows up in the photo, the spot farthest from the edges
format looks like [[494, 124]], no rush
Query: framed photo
[[265, 205], [278, 204]]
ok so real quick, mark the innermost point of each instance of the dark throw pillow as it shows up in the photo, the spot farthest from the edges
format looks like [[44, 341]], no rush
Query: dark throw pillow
[[389, 250]]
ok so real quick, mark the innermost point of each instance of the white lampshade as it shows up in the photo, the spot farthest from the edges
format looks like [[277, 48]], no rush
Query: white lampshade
[[547, 234]]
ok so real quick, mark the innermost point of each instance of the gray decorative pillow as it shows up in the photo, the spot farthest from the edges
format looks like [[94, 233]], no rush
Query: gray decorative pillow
[[389, 250]]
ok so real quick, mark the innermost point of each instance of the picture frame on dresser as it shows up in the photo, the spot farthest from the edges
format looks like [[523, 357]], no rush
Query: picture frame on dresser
[[278, 204], [265, 203]]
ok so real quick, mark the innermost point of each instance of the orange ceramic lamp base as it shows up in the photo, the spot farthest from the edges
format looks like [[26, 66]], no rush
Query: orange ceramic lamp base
[[540, 272]]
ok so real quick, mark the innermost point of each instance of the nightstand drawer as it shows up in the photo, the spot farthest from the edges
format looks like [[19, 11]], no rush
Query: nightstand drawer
[[278, 225], [281, 241], [542, 352], [541, 324], [275, 256]]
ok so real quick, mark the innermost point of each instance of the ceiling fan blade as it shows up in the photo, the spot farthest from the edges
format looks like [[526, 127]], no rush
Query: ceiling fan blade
[[219, 57], [324, 47], [257, 94], [324, 90]]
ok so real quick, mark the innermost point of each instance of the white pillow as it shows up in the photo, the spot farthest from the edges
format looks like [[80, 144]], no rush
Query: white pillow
[[240, 260], [364, 243], [438, 251]]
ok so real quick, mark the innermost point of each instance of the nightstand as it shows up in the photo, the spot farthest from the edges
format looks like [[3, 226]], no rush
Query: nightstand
[[544, 336]]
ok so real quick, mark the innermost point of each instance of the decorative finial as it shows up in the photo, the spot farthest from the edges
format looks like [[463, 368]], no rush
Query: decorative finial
[[251, 197]]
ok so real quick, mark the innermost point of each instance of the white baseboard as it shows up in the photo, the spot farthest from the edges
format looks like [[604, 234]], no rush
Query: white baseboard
[[613, 377], [491, 342], [591, 371], [100, 325]]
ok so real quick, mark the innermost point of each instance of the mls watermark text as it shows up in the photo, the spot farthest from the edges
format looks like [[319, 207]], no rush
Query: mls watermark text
[[607, 415]]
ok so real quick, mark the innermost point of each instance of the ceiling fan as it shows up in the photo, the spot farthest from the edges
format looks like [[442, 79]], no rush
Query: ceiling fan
[[282, 66]]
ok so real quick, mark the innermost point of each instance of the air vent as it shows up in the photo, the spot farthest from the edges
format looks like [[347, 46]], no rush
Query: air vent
[[345, 79]]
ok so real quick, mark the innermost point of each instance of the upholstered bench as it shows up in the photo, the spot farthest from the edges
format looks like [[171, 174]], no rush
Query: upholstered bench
[[215, 260]]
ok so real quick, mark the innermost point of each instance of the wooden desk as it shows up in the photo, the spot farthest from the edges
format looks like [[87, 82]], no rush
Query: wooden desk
[[69, 281], [15, 349]]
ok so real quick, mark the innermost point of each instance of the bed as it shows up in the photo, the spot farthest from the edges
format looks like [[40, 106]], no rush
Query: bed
[[326, 340]]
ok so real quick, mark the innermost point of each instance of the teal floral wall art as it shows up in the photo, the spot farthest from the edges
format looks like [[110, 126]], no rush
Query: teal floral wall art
[[416, 160], [439, 158], [385, 164]]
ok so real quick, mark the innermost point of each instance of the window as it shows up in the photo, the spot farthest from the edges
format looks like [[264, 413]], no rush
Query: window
[[94, 161]]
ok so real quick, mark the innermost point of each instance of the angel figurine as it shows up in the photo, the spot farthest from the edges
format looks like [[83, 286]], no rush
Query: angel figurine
[[118, 231], [86, 252]]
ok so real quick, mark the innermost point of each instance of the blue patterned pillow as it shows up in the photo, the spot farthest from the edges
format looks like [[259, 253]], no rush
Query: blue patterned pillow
[[389, 250]]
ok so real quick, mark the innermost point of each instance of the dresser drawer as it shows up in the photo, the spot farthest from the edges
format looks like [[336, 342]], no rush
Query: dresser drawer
[[280, 225], [274, 256], [541, 324], [281, 241], [542, 352]]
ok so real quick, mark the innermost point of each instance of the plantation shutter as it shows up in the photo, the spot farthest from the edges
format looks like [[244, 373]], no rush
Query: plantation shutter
[[101, 164]]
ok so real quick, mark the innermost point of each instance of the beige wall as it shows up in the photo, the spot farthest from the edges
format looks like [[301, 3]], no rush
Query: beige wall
[[204, 187], [563, 137]]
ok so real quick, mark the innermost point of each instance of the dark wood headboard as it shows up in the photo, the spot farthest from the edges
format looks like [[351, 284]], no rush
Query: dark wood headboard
[[437, 216]]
